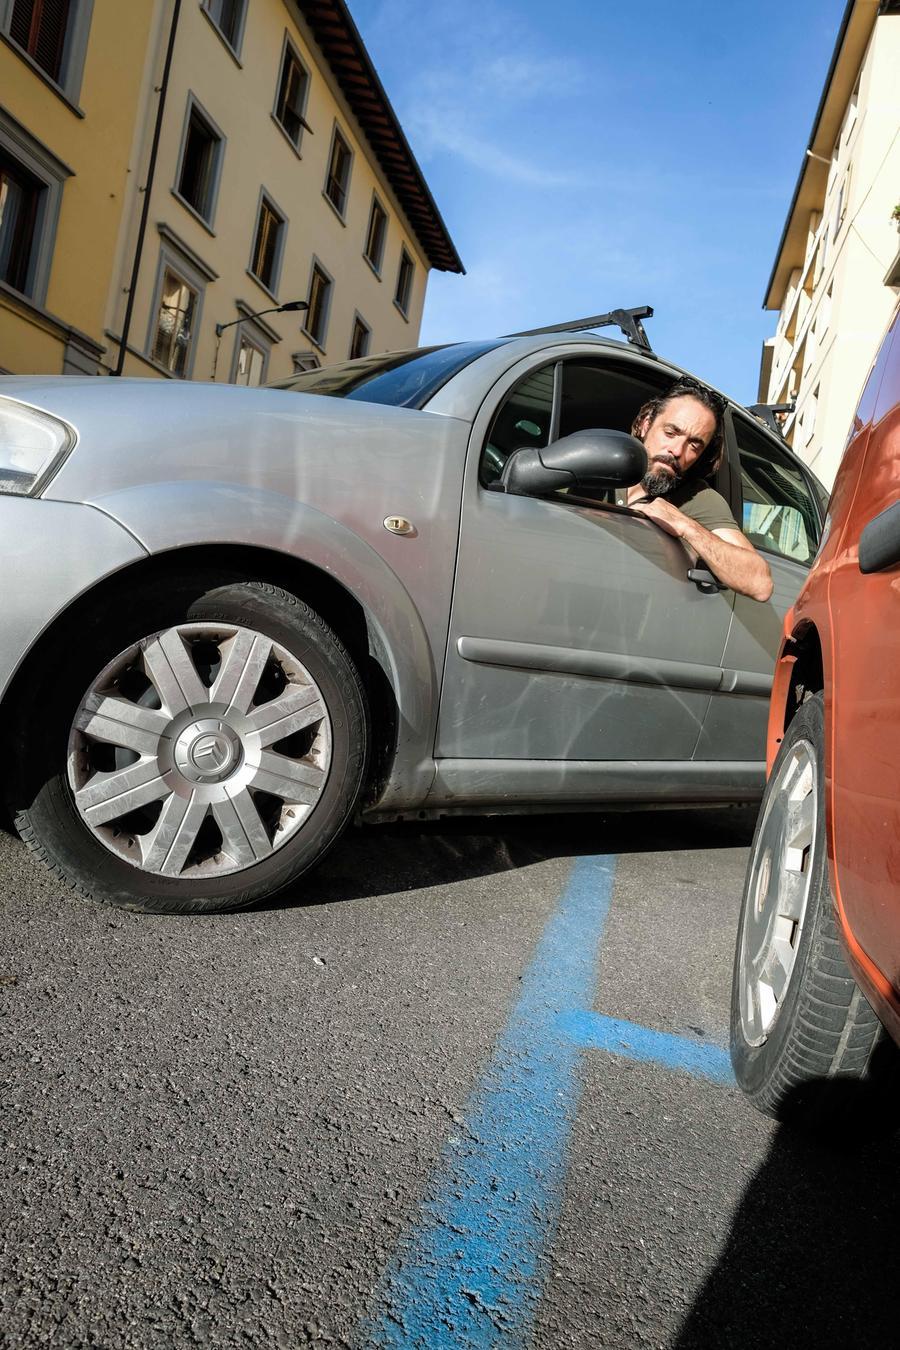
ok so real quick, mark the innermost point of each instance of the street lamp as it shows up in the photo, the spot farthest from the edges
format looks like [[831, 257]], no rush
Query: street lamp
[[288, 307]]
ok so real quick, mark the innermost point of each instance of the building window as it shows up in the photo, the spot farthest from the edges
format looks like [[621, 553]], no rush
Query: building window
[[359, 342], [293, 88], [268, 244], [201, 157], [851, 115], [809, 413], [338, 179], [250, 366], [840, 209], [404, 283], [374, 250], [320, 287], [306, 360], [20, 198], [228, 17], [39, 27], [175, 324], [31, 184], [53, 34]]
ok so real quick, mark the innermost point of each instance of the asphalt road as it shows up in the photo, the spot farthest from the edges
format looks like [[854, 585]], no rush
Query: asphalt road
[[466, 1089]]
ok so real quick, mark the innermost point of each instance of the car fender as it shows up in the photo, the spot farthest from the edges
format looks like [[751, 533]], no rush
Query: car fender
[[164, 517]]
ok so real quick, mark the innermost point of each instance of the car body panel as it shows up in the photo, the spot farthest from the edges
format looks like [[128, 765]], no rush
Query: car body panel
[[497, 785], [169, 516], [865, 750], [54, 552], [542, 559]]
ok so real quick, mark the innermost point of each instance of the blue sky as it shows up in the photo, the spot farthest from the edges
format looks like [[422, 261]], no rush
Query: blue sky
[[590, 154]]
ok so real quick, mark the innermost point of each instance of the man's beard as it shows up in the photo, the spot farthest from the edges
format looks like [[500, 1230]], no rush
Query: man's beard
[[659, 482]]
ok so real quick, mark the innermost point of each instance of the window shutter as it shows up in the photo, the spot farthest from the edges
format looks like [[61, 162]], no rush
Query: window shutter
[[20, 23], [40, 27]]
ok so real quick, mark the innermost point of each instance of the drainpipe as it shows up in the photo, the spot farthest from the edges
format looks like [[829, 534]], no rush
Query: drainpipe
[[145, 210]]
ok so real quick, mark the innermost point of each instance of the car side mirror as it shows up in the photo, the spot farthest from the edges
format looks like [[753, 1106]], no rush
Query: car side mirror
[[586, 461]]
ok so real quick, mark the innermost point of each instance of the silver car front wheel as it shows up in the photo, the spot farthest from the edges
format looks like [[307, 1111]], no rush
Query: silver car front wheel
[[199, 751], [209, 761]]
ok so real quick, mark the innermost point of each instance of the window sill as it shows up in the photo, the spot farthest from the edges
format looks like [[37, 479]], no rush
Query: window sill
[[42, 75], [221, 36], [282, 129], [334, 208], [262, 286], [31, 307], [192, 210], [161, 369], [376, 271], [400, 310]]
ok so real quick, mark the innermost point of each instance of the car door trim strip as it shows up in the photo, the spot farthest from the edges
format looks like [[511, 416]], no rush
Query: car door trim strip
[[611, 666]]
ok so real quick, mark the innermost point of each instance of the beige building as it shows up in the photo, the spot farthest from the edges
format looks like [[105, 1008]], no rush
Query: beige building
[[244, 156], [836, 276]]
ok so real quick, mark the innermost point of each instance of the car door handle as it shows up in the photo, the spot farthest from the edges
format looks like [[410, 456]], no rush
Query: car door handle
[[704, 580], [879, 543]]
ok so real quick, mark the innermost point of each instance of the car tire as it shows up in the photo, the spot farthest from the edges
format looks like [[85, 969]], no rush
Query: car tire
[[254, 775], [806, 1046]]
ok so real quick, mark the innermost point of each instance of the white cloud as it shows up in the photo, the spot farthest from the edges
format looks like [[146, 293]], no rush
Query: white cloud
[[460, 96]]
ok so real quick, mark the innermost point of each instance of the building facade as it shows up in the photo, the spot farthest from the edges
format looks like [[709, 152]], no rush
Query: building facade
[[246, 157], [836, 276], [70, 89]]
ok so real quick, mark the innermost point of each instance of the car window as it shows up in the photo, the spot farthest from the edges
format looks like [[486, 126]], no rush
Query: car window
[[523, 418], [602, 396], [403, 379], [779, 511], [591, 395]]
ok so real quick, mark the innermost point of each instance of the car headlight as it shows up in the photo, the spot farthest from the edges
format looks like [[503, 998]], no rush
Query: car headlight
[[32, 445]]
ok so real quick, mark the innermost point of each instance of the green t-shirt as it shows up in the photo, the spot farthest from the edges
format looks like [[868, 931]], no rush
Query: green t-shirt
[[699, 501]]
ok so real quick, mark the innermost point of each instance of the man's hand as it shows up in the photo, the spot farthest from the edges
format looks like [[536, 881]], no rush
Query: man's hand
[[727, 553]]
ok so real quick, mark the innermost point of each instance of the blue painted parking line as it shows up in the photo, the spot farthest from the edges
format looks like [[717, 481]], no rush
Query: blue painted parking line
[[594, 1031], [466, 1277]]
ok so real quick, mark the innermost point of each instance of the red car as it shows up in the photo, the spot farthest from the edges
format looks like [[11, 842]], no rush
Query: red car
[[817, 967]]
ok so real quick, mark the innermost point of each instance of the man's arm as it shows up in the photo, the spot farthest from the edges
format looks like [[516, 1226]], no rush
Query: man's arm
[[727, 553]]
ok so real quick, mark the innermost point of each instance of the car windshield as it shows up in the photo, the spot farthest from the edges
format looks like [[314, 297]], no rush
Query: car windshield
[[404, 379]]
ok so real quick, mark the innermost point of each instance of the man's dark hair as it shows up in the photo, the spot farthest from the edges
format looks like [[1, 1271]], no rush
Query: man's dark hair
[[686, 387]]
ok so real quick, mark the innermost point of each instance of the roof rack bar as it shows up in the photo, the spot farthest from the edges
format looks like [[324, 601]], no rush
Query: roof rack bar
[[627, 320]]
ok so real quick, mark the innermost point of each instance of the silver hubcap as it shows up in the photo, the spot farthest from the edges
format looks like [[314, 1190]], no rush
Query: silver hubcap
[[777, 892], [199, 751]]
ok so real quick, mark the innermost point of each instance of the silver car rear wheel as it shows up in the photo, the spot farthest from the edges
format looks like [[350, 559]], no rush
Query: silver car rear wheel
[[199, 750]]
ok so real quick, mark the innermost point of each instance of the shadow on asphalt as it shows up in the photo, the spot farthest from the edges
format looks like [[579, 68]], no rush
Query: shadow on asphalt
[[373, 860], [811, 1261]]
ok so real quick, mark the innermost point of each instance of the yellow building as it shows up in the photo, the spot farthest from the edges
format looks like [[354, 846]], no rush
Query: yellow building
[[70, 83], [259, 164], [836, 275]]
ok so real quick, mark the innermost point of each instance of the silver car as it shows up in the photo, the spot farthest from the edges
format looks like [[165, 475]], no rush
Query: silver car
[[233, 619]]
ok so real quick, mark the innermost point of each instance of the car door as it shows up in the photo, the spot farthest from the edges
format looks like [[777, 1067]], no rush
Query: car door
[[781, 516], [575, 633], [863, 716]]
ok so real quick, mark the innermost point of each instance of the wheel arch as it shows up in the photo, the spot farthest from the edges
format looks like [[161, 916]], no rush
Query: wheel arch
[[807, 672], [357, 629], [799, 673]]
